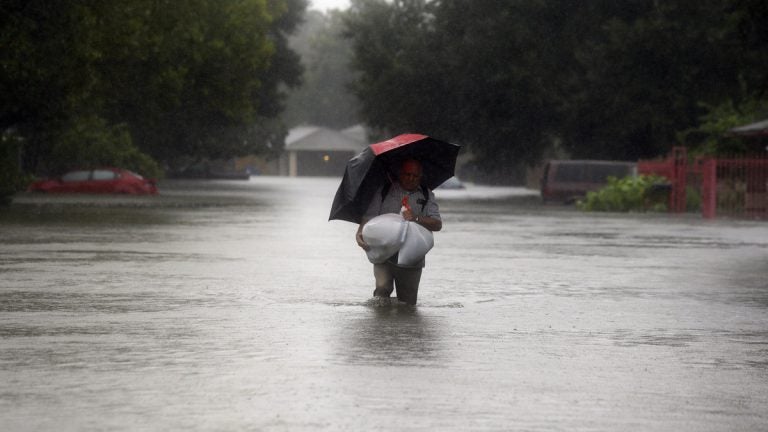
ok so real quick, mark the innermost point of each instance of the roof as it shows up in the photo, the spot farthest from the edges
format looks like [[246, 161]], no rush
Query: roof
[[358, 132], [752, 129], [317, 138]]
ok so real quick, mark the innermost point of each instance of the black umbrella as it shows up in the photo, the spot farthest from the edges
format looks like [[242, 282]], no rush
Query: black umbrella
[[378, 163]]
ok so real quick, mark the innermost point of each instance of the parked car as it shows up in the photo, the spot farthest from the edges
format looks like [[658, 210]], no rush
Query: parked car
[[97, 181], [569, 180]]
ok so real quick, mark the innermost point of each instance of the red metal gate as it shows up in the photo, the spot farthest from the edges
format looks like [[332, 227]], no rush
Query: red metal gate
[[674, 168], [733, 187]]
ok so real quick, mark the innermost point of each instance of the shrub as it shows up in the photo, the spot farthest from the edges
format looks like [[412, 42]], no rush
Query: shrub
[[692, 199], [12, 179], [641, 193], [89, 142]]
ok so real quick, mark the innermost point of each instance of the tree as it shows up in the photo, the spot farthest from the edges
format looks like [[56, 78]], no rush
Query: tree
[[204, 78], [455, 69], [44, 71], [12, 179], [325, 97], [644, 74], [511, 79], [199, 78]]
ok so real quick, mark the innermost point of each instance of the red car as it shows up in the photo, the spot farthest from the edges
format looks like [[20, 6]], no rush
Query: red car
[[102, 180]]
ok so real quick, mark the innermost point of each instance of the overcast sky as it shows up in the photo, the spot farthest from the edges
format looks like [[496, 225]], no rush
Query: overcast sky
[[328, 4]]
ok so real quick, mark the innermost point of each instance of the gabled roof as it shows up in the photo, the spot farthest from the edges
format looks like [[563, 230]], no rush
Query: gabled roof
[[358, 132], [753, 129], [317, 138]]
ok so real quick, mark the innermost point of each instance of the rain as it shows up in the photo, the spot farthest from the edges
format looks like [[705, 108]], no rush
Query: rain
[[213, 284]]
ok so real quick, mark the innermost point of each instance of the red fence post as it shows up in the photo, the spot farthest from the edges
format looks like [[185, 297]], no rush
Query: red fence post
[[680, 173], [708, 188]]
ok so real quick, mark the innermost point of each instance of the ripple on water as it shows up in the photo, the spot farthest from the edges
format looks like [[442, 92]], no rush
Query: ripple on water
[[90, 302]]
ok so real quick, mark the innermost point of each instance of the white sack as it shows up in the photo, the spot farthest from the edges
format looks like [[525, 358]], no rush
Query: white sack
[[418, 241], [384, 235]]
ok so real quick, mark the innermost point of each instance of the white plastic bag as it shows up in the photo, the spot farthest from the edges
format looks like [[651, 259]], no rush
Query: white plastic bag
[[384, 234], [418, 241]]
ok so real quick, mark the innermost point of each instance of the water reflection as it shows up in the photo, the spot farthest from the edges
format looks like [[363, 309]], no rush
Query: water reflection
[[395, 334]]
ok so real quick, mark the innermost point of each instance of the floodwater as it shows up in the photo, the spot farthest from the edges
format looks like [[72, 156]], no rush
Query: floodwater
[[228, 306]]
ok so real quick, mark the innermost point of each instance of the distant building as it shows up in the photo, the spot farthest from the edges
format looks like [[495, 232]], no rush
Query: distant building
[[753, 129], [755, 136], [318, 151], [358, 132]]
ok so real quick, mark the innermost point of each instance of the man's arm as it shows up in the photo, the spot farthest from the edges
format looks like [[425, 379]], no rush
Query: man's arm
[[430, 223], [431, 218]]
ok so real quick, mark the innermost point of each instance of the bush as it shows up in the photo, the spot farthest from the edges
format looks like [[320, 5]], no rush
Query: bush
[[641, 193], [692, 199], [89, 142], [12, 179]]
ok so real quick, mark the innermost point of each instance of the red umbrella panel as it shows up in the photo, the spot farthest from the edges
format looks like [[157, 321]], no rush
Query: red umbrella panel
[[378, 164]]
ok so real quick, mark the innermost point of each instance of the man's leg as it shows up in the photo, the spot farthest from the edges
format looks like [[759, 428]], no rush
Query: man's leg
[[384, 280], [407, 282]]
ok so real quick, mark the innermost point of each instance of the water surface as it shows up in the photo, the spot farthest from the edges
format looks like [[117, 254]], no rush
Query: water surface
[[238, 306]]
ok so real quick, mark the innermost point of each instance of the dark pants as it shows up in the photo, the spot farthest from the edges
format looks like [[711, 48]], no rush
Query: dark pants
[[405, 279]]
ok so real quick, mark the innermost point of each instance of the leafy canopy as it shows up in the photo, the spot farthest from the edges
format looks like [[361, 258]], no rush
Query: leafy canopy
[[199, 78], [517, 79]]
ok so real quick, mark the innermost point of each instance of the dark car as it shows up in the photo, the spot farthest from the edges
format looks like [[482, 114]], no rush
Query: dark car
[[97, 181]]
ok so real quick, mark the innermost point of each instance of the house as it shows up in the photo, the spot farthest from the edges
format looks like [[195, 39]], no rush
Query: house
[[757, 129], [753, 135], [318, 151]]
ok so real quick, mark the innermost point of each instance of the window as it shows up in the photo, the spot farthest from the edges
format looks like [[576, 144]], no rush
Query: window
[[569, 172], [104, 175], [76, 176]]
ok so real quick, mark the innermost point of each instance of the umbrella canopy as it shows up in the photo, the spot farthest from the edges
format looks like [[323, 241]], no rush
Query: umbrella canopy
[[378, 163]]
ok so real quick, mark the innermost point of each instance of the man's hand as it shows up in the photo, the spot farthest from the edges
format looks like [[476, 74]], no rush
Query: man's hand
[[408, 215], [359, 238]]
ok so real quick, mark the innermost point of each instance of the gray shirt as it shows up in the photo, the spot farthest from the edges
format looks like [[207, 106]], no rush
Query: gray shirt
[[392, 203]]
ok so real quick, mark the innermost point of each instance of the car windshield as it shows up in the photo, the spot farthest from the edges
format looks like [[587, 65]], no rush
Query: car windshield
[[104, 175], [595, 173], [600, 173], [76, 176], [569, 172]]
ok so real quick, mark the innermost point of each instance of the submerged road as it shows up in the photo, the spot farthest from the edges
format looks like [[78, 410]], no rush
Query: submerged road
[[238, 306]]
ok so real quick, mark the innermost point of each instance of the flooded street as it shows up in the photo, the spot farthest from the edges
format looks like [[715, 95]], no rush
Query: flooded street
[[237, 306]]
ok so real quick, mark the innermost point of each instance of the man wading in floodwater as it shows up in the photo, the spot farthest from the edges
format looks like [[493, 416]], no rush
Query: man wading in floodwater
[[423, 210]]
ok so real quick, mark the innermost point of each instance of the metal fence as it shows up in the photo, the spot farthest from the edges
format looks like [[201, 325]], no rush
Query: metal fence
[[734, 187]]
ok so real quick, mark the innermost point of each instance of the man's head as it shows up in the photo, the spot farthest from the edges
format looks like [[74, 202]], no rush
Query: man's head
[[410, 174]]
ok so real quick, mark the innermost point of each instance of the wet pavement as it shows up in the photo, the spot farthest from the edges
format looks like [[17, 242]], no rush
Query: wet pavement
[[238, 306]]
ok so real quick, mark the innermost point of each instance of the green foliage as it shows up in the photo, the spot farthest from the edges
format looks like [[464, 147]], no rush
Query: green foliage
[[191, 78], [692, 199], [604, 79], [91, 143], [12, 179], [711, 136], [627, 194]]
